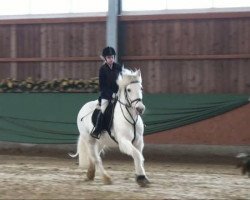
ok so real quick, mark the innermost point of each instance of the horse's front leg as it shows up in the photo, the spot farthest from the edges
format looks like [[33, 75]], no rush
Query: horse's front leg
[[128, 148], [139, 144]]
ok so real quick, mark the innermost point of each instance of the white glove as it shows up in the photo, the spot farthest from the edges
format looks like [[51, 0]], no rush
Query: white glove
[[98, 106]]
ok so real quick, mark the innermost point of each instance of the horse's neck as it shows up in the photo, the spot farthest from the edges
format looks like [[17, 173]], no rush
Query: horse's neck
[[123, 99]]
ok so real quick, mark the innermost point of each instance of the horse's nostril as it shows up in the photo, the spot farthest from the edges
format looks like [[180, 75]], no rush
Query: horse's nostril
[[139, 110]]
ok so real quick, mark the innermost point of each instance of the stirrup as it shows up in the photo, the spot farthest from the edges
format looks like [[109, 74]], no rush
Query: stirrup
[[95, 135]]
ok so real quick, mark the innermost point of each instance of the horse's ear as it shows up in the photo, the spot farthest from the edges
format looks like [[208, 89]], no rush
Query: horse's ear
[[123, 68], [139, 72]]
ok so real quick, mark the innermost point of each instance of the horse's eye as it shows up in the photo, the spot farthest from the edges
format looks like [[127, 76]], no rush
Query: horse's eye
[[128, 90], [142, 88]]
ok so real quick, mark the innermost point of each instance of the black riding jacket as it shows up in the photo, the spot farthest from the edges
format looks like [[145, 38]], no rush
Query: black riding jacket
[[107, 80]]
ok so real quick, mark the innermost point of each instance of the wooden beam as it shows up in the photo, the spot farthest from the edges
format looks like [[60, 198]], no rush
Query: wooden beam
[[131, 58], [184, 16], [187, 57], [51, 59], [61, 20], [130, 17]]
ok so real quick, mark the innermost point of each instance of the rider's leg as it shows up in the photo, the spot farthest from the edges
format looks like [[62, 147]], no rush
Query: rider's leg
[[98, 127], [104, 104]]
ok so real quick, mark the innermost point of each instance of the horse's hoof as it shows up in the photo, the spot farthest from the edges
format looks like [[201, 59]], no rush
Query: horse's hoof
[[107, 180], [90, 175], [88, 180], [142, 181]]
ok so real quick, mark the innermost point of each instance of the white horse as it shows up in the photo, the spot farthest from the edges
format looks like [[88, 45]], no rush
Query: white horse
[[127, 129]]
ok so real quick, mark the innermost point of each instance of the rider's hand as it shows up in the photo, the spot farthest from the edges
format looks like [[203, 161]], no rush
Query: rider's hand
[[98, 106]]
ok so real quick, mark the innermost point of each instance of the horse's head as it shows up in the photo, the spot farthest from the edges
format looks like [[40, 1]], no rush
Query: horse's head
[[130, 85]]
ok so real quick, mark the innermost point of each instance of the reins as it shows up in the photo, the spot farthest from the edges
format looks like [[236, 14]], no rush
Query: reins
[[129, 105], [132, 123]]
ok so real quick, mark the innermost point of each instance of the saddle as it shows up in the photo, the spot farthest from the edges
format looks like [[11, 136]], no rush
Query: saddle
[[107, 118]]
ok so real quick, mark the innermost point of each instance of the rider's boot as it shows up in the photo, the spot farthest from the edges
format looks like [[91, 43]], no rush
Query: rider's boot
[[98, 127]]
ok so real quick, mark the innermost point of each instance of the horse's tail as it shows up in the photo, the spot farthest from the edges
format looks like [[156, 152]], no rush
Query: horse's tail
[[82, 144], [82, 153], [73, 155]]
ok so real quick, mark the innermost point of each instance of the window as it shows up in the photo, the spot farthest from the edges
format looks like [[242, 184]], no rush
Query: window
[[49, 6], [79, 6], [142, 5], [14, 7], [24, 7], [190, 4], [231, 3]]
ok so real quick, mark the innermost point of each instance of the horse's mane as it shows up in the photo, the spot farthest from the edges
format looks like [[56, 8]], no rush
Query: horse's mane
[[127, 76]]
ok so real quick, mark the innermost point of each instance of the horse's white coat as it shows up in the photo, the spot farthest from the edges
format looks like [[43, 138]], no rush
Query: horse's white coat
[[89, 148]]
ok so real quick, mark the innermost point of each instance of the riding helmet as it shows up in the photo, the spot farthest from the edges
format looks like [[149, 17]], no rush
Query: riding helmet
[[108, 51]]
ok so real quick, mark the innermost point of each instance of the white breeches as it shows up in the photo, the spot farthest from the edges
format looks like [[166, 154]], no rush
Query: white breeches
[[104, 104]]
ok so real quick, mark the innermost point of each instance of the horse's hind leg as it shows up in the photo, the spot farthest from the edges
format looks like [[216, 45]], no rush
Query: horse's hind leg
[[82, 151], [85, 159], [97, 161], [91, 171]]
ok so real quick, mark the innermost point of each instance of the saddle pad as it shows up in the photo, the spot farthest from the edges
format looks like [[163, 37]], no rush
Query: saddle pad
[[108, 117]]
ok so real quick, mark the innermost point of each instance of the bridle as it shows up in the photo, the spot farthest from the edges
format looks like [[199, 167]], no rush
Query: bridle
[[128, 105], [129, 102]]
